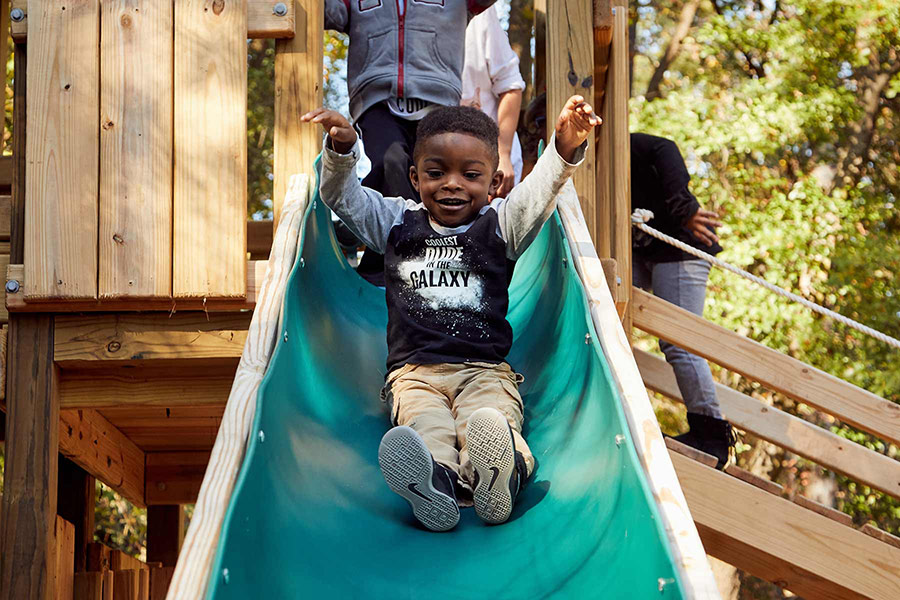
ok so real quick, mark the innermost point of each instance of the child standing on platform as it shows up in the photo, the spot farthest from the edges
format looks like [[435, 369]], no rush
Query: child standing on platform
[[448, 261]]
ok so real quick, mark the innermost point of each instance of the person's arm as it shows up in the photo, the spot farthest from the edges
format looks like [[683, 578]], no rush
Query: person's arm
[[531, 203], [507, 122], [337, 15], [366, 212]]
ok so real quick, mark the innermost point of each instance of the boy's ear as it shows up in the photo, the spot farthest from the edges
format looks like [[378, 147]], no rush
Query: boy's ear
[[496, 182], [414, 177]]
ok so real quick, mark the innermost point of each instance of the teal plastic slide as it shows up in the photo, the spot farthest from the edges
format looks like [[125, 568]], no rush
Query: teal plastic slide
[[311, 516]]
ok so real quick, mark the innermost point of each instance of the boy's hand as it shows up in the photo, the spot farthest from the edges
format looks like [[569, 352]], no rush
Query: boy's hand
[[573, 126], [342, 134]]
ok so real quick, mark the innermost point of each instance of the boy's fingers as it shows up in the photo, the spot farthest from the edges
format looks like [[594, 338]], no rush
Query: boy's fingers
[[313, 113]]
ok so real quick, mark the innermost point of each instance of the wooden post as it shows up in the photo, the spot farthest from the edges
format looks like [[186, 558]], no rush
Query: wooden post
[[620, 225], [65, 560], [570, 70], [540, 46], [298, 89], [27, 534], [603, 22], [75, 503], [165, 533]]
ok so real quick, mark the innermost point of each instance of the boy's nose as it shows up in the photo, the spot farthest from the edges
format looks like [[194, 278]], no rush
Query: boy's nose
[[452, 182]]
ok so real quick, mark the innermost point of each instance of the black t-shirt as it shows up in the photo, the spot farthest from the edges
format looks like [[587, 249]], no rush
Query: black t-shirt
[[659, 182], [447, 295]]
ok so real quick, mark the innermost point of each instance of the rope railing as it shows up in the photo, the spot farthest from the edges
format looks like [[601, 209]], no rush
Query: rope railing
[[639, 219]]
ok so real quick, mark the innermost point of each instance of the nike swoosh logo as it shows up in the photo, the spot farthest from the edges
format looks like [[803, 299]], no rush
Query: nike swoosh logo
[[412, 488], [496, 473]]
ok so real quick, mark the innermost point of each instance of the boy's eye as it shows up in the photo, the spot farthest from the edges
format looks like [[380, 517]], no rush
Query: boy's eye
[[473, 174], [433, 173]]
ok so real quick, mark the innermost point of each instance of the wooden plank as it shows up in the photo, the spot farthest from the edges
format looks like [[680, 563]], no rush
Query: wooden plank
[[174, 478], [570, 70], [165, 531], [702, 457], [18, 302], [259, 238], [298, 89], [144, 584], [4, 333], [773, 538], [28, 526], [785, 430], [192, 573], [135, 388], [136, 149], [62, 155], [89, 586], [91, 442], [7, 163], [19, 28], [754, 480], [159, 582], [173, 438], [108, 585], [826, 511], [540, 47], [5, 216], [620, 154], [775, 370], [688, 556], [880, 535], [120, 561], [65, 559], [97, 557], [263, 22], [20, 114], [106, 340], [126, 585], [75, 503], [210, 209]]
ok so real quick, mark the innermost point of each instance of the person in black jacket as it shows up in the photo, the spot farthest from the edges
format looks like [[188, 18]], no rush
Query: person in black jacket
[[659, 183]]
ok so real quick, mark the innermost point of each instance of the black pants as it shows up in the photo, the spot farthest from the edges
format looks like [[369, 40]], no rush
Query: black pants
[[389, 142]]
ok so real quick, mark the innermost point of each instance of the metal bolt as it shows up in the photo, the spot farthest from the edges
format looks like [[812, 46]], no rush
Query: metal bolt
[[12, 286], [565, 262], [618, 281], [662, 583], [587, 338], [225, 576], [114, 346], [619, 439], [17, 14], [261, 435], [614, 10], [280, 9], [285, 337], [302, 262]]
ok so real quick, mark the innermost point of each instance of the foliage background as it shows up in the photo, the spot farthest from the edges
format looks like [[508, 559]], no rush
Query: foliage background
[[787, 113]]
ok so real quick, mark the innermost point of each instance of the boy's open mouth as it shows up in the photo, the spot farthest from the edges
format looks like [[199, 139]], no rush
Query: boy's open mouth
[[451, 201]]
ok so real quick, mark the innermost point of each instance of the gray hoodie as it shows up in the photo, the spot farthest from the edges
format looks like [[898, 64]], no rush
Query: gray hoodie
[[418, 54]]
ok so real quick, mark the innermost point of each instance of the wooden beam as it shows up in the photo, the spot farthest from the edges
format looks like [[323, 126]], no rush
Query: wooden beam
[[165, 533], [91, 442], [174, 478], [63, 150], [136, 149], [777, 540], [262, 22], [540, 48], [159, 582], [4, 333], [17, 302], [5, 215], [89, 586], [210, 208], [27, 529], [570, 70], [777, 371], [259, 238], [146, 339], [133, 388], [126, 585], [76, 495], [785, 430], [618, 91], [65, 559], [298, 89]]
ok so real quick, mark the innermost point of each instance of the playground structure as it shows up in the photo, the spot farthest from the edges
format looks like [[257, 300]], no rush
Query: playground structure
[[131, 301]]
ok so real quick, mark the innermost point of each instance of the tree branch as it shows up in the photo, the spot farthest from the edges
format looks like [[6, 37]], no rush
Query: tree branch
[[681, 30]]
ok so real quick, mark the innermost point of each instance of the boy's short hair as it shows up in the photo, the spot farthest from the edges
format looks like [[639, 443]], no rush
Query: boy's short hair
[[458, 119]]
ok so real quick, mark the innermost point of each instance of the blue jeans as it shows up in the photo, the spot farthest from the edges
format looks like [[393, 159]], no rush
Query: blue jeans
[[683, 283]]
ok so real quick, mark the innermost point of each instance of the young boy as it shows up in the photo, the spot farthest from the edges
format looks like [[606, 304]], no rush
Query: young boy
[[448, 262]]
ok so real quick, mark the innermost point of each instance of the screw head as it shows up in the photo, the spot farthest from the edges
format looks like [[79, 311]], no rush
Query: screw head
[[302, 262], [17, 14], [285, 337], [280, 9], [587, 338], [619, 439], [225, 576], [262, 436], [114, 346], [12, 286]]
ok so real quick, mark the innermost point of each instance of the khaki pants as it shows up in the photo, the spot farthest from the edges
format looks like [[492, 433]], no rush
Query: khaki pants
[[437, 400]]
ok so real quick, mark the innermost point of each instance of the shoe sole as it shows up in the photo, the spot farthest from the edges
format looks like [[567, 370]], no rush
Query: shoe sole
[[491, 447], [406, 463]]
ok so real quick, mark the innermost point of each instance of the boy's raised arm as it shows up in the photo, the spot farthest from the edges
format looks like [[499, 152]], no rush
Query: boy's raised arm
[[531, 203], [366, 212]]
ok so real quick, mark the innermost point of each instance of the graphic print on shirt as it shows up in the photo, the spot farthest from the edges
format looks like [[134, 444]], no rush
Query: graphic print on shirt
[[441, 276]]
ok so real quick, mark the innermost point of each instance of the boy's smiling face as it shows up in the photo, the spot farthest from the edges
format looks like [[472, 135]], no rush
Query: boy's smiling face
[[455, 173]]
